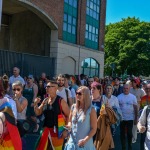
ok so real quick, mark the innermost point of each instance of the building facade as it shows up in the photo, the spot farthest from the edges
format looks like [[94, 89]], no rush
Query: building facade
[[71, 31]]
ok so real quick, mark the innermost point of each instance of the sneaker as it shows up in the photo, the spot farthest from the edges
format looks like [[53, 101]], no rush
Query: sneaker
[[36, 129]]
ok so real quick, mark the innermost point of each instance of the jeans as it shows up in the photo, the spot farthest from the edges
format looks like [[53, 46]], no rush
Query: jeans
[[126, 126]]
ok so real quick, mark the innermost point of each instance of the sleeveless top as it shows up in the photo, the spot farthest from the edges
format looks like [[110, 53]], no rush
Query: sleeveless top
[[28, 93], [22, 115], [80, 129], [51, 113]]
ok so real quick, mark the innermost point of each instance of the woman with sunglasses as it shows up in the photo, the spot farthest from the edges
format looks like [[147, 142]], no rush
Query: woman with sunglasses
[[21, 104], [54, 109], [30, 93], [82, 122]]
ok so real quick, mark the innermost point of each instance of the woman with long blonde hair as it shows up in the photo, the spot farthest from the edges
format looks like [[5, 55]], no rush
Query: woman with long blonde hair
[[82, 123]]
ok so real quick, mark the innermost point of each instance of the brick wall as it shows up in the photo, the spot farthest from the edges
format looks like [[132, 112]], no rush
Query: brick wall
[[102, 25], [54, 9], [81, 22]]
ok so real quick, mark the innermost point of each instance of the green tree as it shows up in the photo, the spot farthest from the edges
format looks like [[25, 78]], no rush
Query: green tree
[[127, 44]]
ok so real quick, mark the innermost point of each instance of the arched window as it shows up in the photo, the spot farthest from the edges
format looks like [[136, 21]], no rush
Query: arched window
[[90, 67]]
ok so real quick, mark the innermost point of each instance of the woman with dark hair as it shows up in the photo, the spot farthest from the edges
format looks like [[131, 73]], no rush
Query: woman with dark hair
[[9, 135], [96, 96], [30, 93]]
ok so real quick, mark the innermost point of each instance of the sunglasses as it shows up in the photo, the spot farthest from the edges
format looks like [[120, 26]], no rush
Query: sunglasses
[[16, 89], [29, 78], [78, 93], [48, 86]]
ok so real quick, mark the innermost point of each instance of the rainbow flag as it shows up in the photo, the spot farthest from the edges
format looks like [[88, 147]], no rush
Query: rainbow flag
[[48, 137], [61, 123], [12, 140]]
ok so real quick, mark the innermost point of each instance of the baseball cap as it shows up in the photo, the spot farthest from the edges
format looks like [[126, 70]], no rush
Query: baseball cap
[[136, 80], [30, 76]]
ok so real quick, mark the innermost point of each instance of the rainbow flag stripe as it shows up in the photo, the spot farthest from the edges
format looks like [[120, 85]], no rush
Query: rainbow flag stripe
[[12, 140], [48, 136], [61, 123]]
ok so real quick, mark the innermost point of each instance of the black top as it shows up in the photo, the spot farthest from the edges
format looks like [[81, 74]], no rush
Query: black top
[[51, 113]]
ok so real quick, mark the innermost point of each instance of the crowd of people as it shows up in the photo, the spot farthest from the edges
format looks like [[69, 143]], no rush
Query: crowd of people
[[78, 112]]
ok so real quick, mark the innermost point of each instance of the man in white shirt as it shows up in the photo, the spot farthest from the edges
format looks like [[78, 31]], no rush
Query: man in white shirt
[[62, 91], [15, 77], [128, 106]]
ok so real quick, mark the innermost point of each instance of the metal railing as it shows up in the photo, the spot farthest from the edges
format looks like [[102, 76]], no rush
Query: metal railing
[[28, 63]]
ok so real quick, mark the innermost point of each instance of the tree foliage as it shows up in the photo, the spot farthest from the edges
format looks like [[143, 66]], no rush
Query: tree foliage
[[127, 44]]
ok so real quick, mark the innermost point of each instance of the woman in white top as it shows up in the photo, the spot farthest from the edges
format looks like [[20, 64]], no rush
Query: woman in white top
[[21, 104]]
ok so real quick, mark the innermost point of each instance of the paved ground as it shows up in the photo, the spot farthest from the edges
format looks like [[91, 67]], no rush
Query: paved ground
[[136, 146]]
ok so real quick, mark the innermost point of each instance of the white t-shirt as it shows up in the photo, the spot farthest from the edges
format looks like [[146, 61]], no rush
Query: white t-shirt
[[112, 101], [63, 94], [126, 103]]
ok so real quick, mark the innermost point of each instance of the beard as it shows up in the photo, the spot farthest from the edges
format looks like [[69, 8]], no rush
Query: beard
[[60, 85]]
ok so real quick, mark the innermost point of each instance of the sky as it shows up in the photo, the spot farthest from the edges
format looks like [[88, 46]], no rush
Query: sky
[[118, 9]]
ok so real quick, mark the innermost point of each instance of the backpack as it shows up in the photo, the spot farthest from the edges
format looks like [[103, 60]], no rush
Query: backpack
[[67, 94]]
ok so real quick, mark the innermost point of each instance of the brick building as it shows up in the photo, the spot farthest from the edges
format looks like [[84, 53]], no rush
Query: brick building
[[71, 31]]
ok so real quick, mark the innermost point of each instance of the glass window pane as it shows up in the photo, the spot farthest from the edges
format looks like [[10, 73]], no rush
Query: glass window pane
[[96, 38], [88, 3], [96, 31], [98, 2], [74, 21], [93, 31], [90, 36], [87, 27], [86, 35], [93, 37], [91, 12], [90, 28], [97, 16], [69, 28], [94, 14], [70, 2], [75, 3], [73, 30], [93, 63], [98, 9], [94, 1], [94, 7], [65, 27], [66, 1], [69, 19], [87, 11], [91, 5], [65, 17]]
